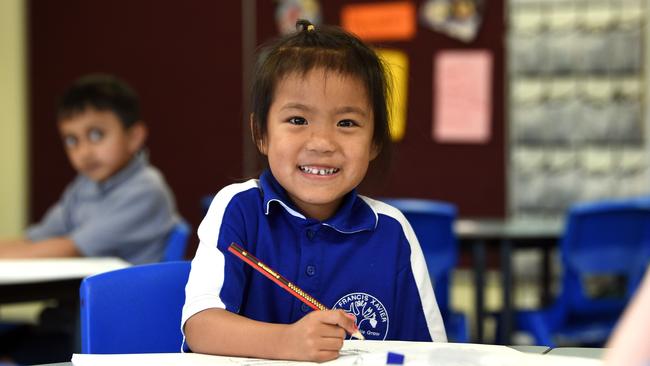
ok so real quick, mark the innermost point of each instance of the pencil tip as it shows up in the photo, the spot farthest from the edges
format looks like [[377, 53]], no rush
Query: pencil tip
[[358, 335]]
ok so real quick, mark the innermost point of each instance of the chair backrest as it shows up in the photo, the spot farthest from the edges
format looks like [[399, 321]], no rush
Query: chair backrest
[[134, 310], [433, 223], [206, 201], [605, 238], [177, 242]]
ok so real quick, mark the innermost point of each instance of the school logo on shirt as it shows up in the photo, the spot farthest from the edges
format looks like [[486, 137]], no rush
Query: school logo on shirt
[[371, 315]]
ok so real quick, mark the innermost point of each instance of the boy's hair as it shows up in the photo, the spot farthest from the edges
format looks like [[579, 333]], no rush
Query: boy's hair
[[104, 93], [325, 47]]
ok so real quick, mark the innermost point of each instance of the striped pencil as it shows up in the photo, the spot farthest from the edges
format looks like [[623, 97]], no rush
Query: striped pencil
[[280, 280]]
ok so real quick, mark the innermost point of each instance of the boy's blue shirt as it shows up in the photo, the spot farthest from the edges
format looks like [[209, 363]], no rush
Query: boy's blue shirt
[[365, 260]]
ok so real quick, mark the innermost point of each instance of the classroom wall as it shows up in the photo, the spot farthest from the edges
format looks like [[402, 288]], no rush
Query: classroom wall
[[13, 120], [183, 58]]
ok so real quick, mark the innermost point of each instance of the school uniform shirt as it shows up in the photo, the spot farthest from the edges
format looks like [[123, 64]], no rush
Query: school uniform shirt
[[365, 260], [128, 215]]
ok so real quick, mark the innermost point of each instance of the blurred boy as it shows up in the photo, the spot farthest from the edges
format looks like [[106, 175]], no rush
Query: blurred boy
[[118, 205]]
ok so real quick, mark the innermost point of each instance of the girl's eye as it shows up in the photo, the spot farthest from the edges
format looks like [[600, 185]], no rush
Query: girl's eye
[[346, 123], [297, 121], [95, 135], [70, 141]]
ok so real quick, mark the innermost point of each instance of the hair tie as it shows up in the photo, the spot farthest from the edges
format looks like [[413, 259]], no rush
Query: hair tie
[[304, 25]]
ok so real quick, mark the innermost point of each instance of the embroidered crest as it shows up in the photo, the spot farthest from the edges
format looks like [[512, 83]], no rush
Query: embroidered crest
[[371, 315]]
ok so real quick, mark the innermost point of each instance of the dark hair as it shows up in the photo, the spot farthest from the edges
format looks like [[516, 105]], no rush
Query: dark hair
[[102, 92], [328, 47]]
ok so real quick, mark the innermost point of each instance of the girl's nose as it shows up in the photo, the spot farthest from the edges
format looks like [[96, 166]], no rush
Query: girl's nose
[[321, 140]]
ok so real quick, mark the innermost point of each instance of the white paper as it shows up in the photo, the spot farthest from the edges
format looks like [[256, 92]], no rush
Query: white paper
[[358, 353]]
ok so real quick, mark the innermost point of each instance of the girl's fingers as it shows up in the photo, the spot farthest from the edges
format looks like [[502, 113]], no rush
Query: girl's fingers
[[333, 331], [331, 344], [340, 318], [323, 356]]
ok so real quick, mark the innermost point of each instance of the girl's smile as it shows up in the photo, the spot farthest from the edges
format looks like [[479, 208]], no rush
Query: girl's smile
[[319, 171], [319, 138]]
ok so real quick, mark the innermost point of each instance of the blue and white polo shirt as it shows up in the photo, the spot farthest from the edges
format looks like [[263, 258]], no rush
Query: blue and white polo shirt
[[365, 260]]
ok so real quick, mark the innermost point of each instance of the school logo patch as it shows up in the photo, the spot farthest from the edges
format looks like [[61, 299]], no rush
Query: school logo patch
[[371, 315]]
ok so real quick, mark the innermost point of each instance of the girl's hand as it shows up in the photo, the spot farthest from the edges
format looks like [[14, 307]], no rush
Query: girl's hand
[[318, 336]]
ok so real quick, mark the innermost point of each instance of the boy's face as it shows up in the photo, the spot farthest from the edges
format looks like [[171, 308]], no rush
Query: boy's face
[[97, 143], [319, 138]]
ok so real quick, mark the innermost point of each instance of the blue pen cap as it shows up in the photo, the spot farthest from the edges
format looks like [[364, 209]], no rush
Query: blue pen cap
[[393, 358]]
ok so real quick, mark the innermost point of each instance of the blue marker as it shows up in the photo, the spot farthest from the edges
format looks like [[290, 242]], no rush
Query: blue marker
[[393, 358]]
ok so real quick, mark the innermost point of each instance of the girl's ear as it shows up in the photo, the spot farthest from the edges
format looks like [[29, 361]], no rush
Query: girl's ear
[[374, 152], [257, 136], [137, 135]]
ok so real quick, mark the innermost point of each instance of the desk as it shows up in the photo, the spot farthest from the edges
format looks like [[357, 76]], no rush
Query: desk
[[578, 352], [526, 349], [40, 279], [540, 350], [506, 233], [368, 353]]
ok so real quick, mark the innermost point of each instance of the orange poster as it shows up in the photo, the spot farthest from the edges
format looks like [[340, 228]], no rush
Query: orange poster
[[392, 21], [462, 110]]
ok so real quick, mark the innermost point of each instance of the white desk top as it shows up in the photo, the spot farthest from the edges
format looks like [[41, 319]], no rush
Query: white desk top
[[22, 271], [578, 351], [358, 353]]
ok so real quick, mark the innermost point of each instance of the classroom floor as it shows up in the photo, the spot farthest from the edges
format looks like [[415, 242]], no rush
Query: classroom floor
[[527, 292], [22, 313]]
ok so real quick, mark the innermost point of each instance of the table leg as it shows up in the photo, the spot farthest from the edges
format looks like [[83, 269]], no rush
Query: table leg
[[507, 314], [478, 249], [546, 275]]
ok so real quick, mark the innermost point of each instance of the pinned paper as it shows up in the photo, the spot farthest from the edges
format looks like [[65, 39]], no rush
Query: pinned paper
[[462, 107], [397, 63], [393, 21], [460, 19], [289, 11]]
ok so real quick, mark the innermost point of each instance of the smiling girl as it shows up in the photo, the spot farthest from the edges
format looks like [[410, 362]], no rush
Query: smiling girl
[[319, 115]]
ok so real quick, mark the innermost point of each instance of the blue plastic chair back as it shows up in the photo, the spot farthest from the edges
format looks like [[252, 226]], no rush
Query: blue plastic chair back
[[134, 310], [177, 242], [433, 223], [604, 238], [206, 201]]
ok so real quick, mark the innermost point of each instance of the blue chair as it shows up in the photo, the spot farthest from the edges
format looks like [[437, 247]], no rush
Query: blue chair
[[206, 201], [177, 242], [134, 310], [606, 239], [433, 223]]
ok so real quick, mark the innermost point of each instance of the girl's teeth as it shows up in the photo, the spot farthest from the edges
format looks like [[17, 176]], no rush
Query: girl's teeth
[[319, 171]]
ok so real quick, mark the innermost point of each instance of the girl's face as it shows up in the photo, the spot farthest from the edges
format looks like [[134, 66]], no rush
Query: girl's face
[[319, 138]]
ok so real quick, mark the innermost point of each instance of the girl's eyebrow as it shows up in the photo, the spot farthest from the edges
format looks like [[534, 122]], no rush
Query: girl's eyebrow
[[351, 109], [298, 106], [342, 110]]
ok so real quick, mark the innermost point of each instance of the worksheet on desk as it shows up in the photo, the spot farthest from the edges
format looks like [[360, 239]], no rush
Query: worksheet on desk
[[358, 353]]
